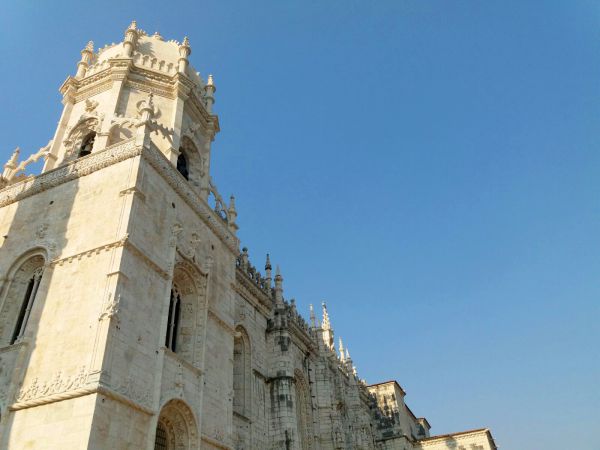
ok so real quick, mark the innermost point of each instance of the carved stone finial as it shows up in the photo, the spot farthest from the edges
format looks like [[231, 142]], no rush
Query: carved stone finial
[[268, 263], [326, 322], [313, 319], [131, 36], [232, 215], [209, 96], [86, 58], [342, 354], [245, 258], [278, 287], [14, 159], [210, 82]]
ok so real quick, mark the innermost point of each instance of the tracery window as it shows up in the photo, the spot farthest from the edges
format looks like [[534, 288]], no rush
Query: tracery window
[[182, 165], [19, 299], [87, 144], [174, 317]]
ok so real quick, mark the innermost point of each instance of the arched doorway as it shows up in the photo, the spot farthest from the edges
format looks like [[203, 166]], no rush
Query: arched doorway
[[176, 428]]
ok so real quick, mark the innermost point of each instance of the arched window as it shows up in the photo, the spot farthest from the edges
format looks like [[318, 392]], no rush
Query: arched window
[[87, 144], [182, 165], [174, 316], [303, 412], [241, 373], [22, 290]]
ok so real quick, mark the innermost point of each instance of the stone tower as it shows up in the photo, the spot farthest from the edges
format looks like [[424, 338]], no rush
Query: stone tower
[[118, 261], [129, 317]]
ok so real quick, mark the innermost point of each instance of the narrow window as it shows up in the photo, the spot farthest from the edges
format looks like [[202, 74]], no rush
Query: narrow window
[[173, 323], [182, 165], [32, 288], [160, 441], [87, 144]]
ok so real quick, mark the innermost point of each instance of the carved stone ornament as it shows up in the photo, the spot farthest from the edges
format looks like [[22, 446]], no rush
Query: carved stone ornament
[[111, 309], [90, 105], [58, 384]]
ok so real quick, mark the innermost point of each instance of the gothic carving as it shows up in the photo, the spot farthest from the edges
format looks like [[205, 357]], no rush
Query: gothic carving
[[86, 124], [180, 424], [130, 387], [58, 384], [111, 309]]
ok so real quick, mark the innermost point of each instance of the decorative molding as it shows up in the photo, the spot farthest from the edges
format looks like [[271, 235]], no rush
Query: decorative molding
[[221, 322], [57, 386], [216, 442], [129, 389], [104, 390], [113, 155], [133, 191], [93, 251], [252, 294], [68, 172], [149, 261]]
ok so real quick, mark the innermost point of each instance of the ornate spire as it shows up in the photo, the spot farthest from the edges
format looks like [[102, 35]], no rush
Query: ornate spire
[[326, 323], [147, 109], [268, 276], [245, 258], [130, 39], [313, 319], [210, 89], [342, 355], [232, 214], [278, 287], [14, 159], [184, 51], [86, 58]]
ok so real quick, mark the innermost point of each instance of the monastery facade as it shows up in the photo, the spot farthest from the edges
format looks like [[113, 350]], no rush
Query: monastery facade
[[129, 316]]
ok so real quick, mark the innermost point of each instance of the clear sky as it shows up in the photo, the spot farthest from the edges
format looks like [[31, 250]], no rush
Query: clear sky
[[429, 168]]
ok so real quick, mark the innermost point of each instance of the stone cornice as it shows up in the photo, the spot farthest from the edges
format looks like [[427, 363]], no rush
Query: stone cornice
[[169, 173], [215, 443], [299, 335], [229, 327], [68, 172], [251, 293], [113, 155]]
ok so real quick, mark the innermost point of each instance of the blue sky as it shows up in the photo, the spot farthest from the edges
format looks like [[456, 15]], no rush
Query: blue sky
[[429, 168]]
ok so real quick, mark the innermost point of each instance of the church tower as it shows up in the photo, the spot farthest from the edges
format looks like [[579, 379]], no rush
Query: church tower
[[116, 263], [129, 317]]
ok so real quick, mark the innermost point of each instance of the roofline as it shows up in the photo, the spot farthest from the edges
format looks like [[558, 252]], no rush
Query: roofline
[[460, 433], [388, 382]]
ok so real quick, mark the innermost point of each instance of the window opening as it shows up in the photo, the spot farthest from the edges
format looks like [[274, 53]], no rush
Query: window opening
[[27, 304], [87, 144], [182, 165], [173, 323]]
